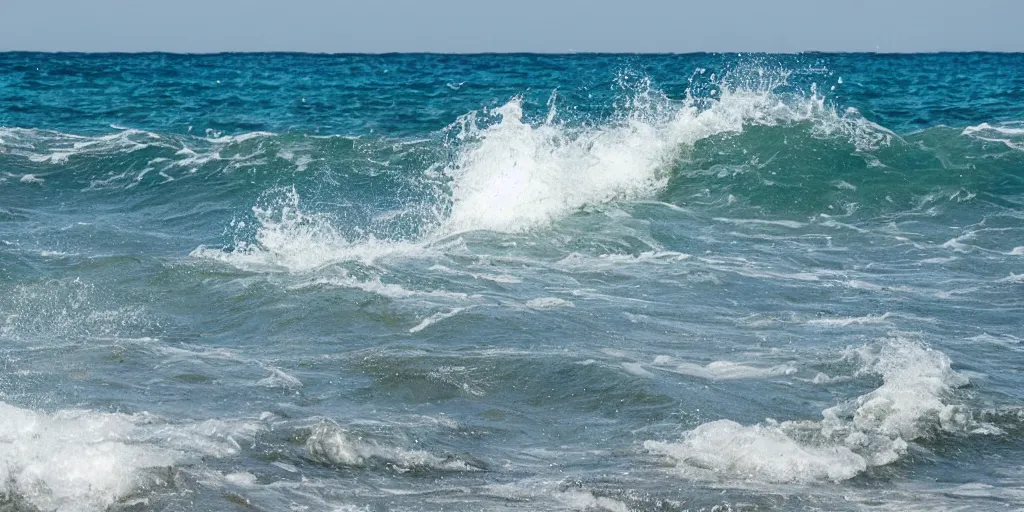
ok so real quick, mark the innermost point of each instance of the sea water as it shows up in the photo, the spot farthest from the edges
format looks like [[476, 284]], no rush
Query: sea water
[[511, 282]]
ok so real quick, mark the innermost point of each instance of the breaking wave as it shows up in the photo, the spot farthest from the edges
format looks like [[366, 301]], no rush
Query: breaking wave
[[913, 403]]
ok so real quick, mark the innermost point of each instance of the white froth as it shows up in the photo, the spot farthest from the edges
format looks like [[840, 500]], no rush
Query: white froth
[[76, 460], [436, 317], [916, 379], [549, 303], [585, 500], [279, 379], [73, 460], [848, 321], [637, 369], [763, 453], [728, 370], [1009, 134], [647, 256], [333, 445], [289, 239], [871, 430], [1013, 278], [784, 223]]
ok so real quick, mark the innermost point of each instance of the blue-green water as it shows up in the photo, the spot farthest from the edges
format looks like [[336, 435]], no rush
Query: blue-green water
[[582, 282]]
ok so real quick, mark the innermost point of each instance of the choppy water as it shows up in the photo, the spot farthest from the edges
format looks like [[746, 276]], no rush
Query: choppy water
[[706, 282]]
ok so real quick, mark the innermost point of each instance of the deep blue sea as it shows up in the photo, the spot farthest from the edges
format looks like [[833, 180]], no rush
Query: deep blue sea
[[729, 282]]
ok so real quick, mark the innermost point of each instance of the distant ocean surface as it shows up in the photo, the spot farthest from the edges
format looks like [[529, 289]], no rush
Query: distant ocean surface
[[730, 282]]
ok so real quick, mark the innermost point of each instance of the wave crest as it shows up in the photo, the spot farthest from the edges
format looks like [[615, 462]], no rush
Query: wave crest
[[872, 430]]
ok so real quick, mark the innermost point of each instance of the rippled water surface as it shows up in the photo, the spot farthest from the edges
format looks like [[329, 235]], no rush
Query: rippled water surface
[[428, 282]]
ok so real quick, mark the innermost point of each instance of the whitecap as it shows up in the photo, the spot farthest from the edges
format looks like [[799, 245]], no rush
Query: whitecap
[[871, 430], [549, 303], [331, 444]]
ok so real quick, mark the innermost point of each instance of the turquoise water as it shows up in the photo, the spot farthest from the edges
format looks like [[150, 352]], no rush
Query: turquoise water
[[511, 282]]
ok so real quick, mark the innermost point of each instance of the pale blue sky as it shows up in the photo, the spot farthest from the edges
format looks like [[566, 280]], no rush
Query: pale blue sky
[[519, 25]]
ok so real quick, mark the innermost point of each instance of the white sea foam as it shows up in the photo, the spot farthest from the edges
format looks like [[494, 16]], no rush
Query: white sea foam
[[784, 223], [585, 500], [848, 321], [289, 239], [1005, 129], [759, 452], [46, 146], [727, 370], [637, 369], [549, 303], [76, 460], [1012, 278], [647, 256], [871, 430], [1011, 134], [331, 444], [436, 317], [280, 379]]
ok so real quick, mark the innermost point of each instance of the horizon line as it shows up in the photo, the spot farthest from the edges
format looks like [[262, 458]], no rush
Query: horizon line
[[510, 53]]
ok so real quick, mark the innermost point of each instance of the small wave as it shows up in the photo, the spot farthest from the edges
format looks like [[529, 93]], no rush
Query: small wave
[[647, 256], [330, 444], [872, 430], [1013, 278], [848, 321], [784, 223], [435, 318], [726, 370], [291, 240], [549, 303], [1010, 134], [84, 460], [1005, 129], [280, 379], [389, 290]]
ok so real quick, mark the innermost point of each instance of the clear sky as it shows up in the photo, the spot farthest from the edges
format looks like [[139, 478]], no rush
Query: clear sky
[[507, 26]]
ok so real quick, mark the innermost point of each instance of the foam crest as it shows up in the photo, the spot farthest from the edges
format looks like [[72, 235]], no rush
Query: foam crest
[[758, 452], [290, 239], [909, 403], [1011, 134], [515, 176], [871, 430], [512, 176], [333, 445], [83, 460], [57, 147], [728, 370], [852, 320], [166, 157]]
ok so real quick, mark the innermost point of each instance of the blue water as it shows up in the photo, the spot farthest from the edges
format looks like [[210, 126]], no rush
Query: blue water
[[511, 282]]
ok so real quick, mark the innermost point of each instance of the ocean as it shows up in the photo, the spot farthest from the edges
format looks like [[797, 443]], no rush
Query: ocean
[[728, 282]]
